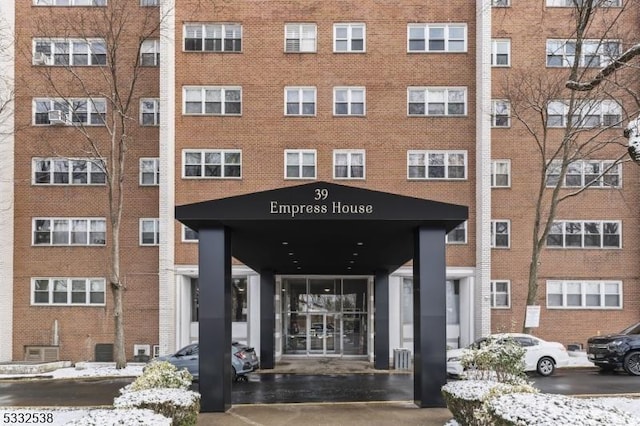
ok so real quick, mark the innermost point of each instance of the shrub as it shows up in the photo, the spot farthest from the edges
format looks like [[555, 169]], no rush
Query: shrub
[[501, 360], [160, 374], [106, 417], [181, 405]]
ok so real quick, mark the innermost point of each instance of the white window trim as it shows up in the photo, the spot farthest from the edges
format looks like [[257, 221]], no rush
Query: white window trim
[[494, 223], [494, 294], [156, 174], [69, 291], [569, 3], [203, 90], [350, 153], [202, 152], [505, 3], [494, 52], [40, 58], [350, 90], [465, 228], [426, 153], [91, 162], [582, 234], [149, 3], [150, 46], [300, 38], [603, 106], [583, 284], [69, 219], [494, 164], [156, 111], [349, 39], [426, 91], [494, 103], [602, 62], [156, 231], [300, 89], [184, 235], [203, 30], [447, 39], [300, 153], [600, 182], [67, 116], [94, 3]]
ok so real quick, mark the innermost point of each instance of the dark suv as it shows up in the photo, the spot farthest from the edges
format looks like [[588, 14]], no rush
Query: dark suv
[[615, 351]]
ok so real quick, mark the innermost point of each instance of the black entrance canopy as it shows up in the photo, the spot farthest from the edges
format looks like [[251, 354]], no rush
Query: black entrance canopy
[[330, 229], [322, 228]]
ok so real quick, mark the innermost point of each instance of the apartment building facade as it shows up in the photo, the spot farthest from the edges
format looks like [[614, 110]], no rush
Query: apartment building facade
[[240, 97]]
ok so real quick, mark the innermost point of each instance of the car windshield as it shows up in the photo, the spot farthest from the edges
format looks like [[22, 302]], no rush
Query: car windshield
[[634, 329]]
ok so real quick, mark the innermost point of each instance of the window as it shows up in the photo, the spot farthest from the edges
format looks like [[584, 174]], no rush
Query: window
[[500, 52], [150, 53], [571, 3], [349, 101], [437, 165], [213, 37], [348, 164], [300, 38], [68, 171], [149, 2], [189, 235], [500, 173], [585, 234], [580, 173], [69, 2], [605, 113], [500, 231], [84, 112], [300, 101], [149, 232], [212, 100], [68, 291], [212, 163], [501, 294], [149, 171], [300, 164], [500, 3], [436, 101], [458, 235], [349, 38], [66, 232], [69, 52], [595, 53], [568, 294], [149, 112], [437, 38], [500, 113]]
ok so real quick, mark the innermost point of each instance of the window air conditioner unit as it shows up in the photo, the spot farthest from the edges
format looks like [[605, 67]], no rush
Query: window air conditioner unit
[[40, 58], [57, 116]]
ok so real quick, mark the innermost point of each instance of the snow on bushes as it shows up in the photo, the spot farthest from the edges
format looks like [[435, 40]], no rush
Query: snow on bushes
[[181, 405], [108, 417], [160, 374], [501, 360]]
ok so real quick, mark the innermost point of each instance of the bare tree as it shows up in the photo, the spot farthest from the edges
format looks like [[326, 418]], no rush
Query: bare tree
[[568, 124], [115, 37]]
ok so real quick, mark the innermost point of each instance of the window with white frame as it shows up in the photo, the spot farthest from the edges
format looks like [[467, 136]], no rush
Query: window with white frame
[[500, 233], [437, 101], [572, 3], [149, 232], [212, 37], [580, 173], [149, 2], [69, 2], [578, 294], [349, 101], [349, 38], [300, 38], [73, 111], [69, 52], [150, 53], [437, 38], [437, 164], [500, 173], [212, 163], [595, 53], [500, 52], [149, 171], [501, 294], [212, 100], [500, 113], [150, 112], [458, 235], [585, 234], [586, 114], [300, 101], [189, 235], [68, 291], [500, 3], [69, 231], [68, 171], [348, 164], [300, 164]]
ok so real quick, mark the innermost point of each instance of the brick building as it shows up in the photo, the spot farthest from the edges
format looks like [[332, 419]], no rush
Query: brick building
[[237, 97]]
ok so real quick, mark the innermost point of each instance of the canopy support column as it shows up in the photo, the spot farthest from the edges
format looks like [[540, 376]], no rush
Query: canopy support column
[[267, 318], [381, 320]]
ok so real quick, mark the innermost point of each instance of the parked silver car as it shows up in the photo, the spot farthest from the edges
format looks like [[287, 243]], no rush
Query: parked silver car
[[243, 360]]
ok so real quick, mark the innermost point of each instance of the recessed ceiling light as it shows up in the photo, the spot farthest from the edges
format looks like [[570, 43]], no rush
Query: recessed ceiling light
[[360, 243], [290, 253], [355, 254], [284, 243]]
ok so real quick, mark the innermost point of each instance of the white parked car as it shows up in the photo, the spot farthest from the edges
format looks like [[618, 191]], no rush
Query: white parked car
[[540, 356]]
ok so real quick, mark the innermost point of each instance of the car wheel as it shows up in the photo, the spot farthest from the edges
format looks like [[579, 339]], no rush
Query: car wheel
[[234, 376], [545, 366], [632, 363]]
